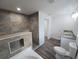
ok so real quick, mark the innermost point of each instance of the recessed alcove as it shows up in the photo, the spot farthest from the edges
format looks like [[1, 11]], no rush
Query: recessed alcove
[[16, 45]]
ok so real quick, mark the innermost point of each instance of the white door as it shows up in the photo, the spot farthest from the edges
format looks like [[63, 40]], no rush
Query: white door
[[46, 25]]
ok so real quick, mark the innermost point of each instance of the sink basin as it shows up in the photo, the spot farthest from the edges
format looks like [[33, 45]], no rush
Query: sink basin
[[73, 45], [31, 57]]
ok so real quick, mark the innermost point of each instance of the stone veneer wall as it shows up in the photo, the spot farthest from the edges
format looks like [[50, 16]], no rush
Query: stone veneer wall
[[34, 28], [12, 22], [4, 44]]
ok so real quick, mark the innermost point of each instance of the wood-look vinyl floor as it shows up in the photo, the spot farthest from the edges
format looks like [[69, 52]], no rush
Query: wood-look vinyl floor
[[46, 51]]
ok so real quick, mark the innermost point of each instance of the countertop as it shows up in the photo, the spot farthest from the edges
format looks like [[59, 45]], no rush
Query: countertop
[[13, 35]]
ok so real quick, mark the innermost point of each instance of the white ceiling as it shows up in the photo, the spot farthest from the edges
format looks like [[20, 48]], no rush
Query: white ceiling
[[31, 6]]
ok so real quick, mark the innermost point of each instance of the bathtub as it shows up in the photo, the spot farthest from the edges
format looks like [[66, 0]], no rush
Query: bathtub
[[27, 54]]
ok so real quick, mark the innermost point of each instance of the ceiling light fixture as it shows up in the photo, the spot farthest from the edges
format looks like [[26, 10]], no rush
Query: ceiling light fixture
[[50, 1], [18, 9]]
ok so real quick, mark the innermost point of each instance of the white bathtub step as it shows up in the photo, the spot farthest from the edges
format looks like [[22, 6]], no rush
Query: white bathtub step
[[27, 54]]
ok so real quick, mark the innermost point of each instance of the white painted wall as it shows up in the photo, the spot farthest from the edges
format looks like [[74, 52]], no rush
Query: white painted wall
[[58, 22], [61, 23], [61, 20], [61, 16], [41, 28], [75, 27]]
